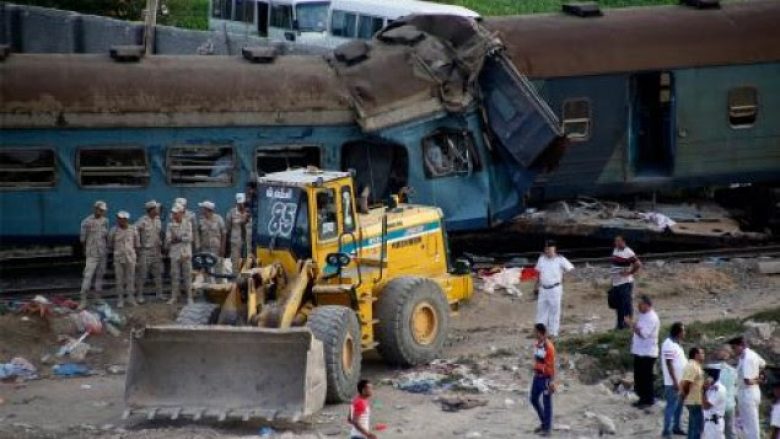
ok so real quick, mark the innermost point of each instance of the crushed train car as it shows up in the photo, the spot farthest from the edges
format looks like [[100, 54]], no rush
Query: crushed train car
[[431, 103]]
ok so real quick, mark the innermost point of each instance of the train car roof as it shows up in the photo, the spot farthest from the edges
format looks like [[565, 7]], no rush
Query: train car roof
[[50, 90], [644, 38]]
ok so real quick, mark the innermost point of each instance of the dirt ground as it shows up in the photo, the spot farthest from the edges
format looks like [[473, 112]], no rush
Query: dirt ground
[[491, 333]]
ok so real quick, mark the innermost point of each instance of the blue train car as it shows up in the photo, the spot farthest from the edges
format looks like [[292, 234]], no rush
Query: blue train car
[[78, 128], [656, 99]]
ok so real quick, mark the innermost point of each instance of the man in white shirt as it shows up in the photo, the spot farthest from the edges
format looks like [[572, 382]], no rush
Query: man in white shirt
[[624, 265], [714, 404], [774, 420], [644, 348], [749, 376], [551, 267], [672, 364]]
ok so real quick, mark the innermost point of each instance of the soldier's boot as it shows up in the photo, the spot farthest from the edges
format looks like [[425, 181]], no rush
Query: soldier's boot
[[174, 295], [140, 298], [83, 303]]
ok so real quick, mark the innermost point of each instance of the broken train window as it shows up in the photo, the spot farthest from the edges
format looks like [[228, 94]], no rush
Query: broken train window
[[381, 167], [201, 165], [113, 167], [743, 106], [449, 152], [576, 119], [275, 159], [27, 168]]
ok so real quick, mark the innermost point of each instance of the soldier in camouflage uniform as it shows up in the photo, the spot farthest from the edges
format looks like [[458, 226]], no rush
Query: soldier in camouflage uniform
[[150, 256], [123, 240], [178, 241], [239, 219], [193, 219], [94, 234], [211, 231]]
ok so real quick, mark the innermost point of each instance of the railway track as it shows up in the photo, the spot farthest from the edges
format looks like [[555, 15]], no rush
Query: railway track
[[69, 283]]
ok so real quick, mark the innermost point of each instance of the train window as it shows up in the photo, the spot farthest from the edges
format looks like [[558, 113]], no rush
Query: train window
[[449, 152], [743, 106], [274, 159], [201, 165], [368, 26], [113, 167], [27, 168], [281, 16], [576, 119], [244, 11], [343, 24]]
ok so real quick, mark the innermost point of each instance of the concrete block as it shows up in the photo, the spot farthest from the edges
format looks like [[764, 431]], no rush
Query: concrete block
[[768, 267], [46, 30], [98, 34]]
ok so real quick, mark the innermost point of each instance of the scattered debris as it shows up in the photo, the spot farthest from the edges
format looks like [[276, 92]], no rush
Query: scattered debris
[[116, 370], [444, 375], [18, 368], [71, 370], [605, 424], [455, 403], [507, 279], [761, 330]]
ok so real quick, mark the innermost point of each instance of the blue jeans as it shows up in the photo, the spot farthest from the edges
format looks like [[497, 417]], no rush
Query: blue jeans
[[673, 410], [695, 421], [543, 409]]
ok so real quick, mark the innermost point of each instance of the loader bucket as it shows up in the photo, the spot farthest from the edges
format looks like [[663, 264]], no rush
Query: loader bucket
[[225, 372]]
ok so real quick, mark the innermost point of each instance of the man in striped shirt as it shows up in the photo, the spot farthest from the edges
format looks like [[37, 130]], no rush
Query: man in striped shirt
[[624, 265]]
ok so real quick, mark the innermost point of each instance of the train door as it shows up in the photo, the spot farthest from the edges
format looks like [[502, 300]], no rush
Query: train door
[[652, 120], [262, 18]]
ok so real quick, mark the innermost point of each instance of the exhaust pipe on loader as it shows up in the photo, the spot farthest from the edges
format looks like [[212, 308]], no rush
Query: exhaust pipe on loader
[[225, 372]]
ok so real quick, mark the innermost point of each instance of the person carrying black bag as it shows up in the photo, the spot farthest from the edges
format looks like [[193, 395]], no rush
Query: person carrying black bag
[[624, 265]]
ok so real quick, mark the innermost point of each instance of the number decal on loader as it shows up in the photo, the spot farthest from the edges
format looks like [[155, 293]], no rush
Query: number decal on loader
[[282, 219]]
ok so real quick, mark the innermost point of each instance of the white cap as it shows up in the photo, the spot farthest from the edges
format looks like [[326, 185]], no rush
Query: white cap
[[101, 205], [151, 204], [182, 201], [177, 208], [240, 197], [207, 204], [123, 214]]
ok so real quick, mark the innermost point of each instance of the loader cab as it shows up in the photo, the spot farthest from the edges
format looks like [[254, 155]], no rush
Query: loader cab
[[304, 214]]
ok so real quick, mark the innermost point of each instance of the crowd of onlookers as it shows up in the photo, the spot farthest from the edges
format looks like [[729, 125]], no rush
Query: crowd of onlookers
[[721, 397]]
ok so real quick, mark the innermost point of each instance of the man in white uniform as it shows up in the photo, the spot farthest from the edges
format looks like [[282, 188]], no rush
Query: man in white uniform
[[714, 404], [551, 267], [749, 376], [644, 348]]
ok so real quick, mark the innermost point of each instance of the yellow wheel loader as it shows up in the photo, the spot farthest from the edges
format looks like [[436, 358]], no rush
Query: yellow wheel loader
[[327, 283]]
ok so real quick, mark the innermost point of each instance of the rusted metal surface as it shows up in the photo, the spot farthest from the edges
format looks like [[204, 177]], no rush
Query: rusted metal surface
[[635, 39], [90, 90]]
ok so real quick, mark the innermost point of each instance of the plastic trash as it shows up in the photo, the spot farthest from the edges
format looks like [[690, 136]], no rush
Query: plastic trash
[[71, 370], [73, 345], [107, 314], [266, 432], [88, 321], [18, 367]]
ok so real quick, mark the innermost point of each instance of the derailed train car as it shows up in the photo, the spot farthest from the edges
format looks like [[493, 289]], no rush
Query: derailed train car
[[657, 99], [431, 103]]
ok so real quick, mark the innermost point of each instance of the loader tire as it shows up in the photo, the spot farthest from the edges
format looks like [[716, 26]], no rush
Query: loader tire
[[414, 319], [198, 314], [338, 329]]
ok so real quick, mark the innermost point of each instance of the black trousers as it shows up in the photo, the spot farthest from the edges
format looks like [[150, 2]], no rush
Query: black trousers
[[644, 378], [625, 306]]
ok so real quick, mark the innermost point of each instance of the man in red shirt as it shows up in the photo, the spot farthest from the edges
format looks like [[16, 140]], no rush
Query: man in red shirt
[[543, 386], [360, 412]]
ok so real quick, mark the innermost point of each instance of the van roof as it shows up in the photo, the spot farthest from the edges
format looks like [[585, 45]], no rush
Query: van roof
[[391, 9]]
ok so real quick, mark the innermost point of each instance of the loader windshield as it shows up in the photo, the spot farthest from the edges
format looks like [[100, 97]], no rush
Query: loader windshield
[[282, 219]]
